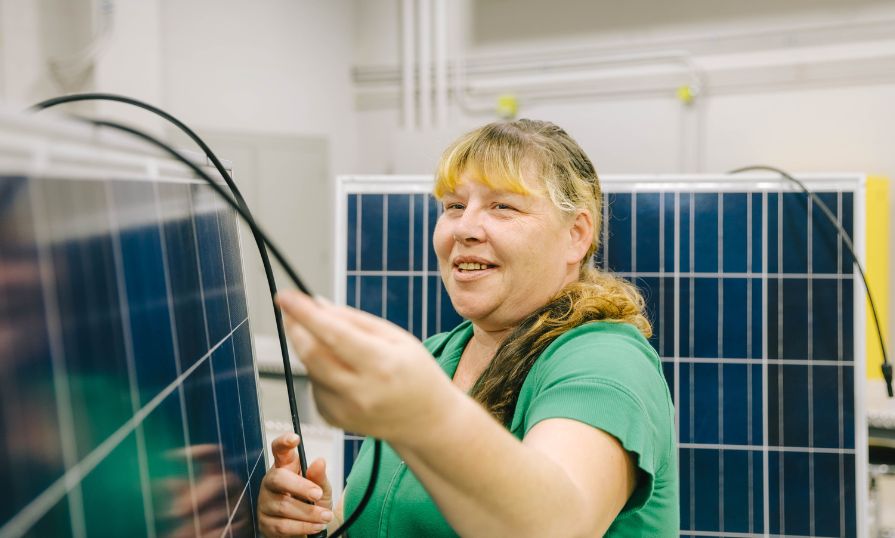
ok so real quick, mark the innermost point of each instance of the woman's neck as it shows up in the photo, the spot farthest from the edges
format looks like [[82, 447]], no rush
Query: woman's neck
[[477, 354], [484, 343]]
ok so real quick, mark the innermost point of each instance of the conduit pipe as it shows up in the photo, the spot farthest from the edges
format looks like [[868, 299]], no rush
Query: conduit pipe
[[408, 59], [541, 86], [441, 63], [424, 46], [424, 32]]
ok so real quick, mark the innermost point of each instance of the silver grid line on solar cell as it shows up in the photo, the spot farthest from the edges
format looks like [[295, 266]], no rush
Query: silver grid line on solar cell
[[175, 346], [60, 375], [242, 493], [217, 418], [249, 472], [765, 484], [860, 351], [131, 367]]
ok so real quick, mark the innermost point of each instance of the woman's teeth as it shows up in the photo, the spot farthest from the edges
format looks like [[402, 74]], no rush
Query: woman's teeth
[[472, 266]]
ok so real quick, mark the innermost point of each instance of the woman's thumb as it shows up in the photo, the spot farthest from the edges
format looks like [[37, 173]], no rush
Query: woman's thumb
[[283, 448], [317, 474]]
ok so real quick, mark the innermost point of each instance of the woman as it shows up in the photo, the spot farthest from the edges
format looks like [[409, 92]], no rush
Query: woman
[[554, 418]]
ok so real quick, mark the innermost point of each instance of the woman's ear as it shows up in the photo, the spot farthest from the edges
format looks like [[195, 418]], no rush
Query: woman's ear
[[581, 233]]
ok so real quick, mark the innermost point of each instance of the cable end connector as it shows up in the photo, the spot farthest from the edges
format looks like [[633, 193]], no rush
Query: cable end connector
[[887, 376]]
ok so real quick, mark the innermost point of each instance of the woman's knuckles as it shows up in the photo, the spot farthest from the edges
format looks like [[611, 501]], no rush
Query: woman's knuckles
[[286, 481], [284, 528]]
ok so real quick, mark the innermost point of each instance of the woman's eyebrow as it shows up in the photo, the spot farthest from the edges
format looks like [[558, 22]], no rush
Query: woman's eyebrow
[[507, 192]]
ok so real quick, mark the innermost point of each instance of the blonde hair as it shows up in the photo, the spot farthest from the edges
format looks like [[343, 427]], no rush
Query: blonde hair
[[538, 157]]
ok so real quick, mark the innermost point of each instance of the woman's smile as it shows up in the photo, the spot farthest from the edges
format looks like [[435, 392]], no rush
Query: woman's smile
[[472, 268]]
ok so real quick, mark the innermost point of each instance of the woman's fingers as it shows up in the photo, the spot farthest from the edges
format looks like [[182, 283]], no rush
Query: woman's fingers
[[364, 320], [286, 501], [284, 454], [317, 473], [280, 508], [285, 481], [324, 368], [329, 327], [284, 506], [309, 346], [277, 527]]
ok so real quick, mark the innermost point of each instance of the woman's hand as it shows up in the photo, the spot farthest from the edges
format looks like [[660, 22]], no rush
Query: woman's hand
[[369, 375], [283, 508]]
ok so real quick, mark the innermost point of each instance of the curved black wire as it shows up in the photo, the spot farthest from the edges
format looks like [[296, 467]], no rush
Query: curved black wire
[[886, 366], [265, 259], [277, 253]]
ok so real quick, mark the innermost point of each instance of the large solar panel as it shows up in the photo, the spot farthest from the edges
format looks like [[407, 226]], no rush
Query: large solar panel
[[757, 318], [127, 380]]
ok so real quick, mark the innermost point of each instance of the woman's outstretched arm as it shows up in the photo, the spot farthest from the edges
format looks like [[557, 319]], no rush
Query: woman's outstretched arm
[[565, 479]]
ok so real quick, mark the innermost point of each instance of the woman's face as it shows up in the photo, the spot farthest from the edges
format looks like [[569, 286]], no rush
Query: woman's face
[[503, 255]]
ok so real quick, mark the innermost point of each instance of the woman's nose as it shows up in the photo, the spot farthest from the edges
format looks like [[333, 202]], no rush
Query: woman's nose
[[469, 227]]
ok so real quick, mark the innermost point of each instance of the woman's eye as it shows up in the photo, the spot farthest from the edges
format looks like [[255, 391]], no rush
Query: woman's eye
[[453, 205], [503, 206]]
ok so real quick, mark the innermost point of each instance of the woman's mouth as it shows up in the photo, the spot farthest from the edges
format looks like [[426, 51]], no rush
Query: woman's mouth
[[472, 266], [469, 271]]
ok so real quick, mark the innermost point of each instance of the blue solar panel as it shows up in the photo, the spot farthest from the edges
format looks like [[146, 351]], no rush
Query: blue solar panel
[[752, 297], [127, 379]]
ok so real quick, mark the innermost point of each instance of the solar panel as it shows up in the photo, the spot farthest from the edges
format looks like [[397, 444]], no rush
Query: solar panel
[[757, 319], [127, 379]]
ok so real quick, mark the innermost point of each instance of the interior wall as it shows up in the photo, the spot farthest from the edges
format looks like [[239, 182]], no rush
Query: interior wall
[[274, 66], [129, 62], [33, 35], [502, 23], [804, 85]]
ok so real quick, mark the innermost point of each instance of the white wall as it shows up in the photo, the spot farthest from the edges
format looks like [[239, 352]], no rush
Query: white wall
[[279, 66], [804, 85], [34, 32]]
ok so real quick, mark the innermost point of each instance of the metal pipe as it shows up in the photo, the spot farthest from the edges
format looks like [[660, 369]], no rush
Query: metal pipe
[[424, 35], [441, 63], [408, 59]]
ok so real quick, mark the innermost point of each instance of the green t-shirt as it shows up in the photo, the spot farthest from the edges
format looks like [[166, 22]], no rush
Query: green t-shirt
[[603, 374]]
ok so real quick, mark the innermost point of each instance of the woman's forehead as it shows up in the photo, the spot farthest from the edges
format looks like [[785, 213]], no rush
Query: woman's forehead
[[527, 184]]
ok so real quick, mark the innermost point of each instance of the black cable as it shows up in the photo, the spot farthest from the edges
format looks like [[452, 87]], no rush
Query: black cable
[[886, 366], [265, 259], [277, 253]]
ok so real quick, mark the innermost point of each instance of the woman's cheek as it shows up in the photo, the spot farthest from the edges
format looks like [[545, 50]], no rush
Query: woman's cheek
[[442, 240]]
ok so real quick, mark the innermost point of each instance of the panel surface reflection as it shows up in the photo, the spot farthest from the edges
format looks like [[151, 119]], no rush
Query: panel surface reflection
[[127, 382]]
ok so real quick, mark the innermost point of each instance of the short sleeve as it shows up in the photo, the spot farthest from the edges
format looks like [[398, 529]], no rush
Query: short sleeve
[[611, 380]]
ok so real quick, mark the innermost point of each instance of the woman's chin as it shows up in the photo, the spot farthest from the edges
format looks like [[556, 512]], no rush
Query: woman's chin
[[474, 313]]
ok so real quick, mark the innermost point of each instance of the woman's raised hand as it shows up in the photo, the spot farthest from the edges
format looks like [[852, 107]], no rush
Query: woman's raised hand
[[369, 375], [283, 504]]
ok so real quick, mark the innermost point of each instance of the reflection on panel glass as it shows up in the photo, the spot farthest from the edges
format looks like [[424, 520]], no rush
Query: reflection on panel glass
[[128, 403], [739, 303]]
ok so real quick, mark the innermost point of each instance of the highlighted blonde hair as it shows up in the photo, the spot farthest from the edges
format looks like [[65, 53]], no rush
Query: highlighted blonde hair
[[537, 157]]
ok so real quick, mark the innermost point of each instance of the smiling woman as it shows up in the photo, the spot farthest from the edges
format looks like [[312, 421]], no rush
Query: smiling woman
[[544, 414]]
